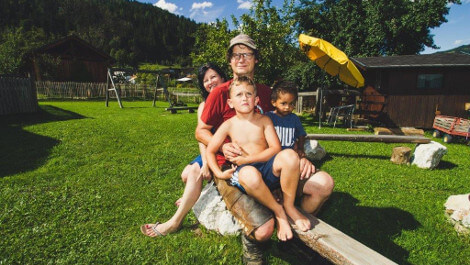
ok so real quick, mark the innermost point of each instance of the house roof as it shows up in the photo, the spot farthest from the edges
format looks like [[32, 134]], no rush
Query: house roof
[[74, 47], [424, 60]]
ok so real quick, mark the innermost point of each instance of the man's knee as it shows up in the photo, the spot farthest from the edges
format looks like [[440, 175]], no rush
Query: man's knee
[[320, 184], [265, 231]]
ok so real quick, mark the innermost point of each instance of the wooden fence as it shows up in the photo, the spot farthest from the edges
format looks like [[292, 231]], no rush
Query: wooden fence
[[76, 90], [69, 90], [17, 95]]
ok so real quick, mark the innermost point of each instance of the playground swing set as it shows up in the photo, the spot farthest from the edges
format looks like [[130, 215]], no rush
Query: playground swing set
[[114, 74]]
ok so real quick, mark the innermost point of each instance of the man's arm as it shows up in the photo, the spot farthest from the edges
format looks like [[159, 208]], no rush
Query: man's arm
[[299, 147], [212, 149], [306, 167], [204, 135], [203, 132]]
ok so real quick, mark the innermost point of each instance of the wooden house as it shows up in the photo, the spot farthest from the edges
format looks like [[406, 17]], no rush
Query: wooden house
[[77, 61], [408, 90]]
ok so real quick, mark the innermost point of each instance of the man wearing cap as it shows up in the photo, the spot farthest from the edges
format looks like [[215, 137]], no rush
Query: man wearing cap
[[257, 220]]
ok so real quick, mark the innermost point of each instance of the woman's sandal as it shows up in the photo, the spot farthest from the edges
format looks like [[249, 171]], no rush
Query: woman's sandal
[[144, 228]]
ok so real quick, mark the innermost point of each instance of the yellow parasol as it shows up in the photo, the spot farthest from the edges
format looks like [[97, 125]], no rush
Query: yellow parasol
[[332, 60]]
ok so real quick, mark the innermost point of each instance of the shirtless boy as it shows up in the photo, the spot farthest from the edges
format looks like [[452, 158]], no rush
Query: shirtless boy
[[255, 135]]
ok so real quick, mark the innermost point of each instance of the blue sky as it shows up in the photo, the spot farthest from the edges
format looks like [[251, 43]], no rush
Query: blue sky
[[454, 33]]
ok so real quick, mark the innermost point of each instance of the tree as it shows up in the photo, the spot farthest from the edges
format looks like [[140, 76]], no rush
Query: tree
[[10, 52], [373, 28], [272, 30], [210, 45], [15, 47], [135, 31]]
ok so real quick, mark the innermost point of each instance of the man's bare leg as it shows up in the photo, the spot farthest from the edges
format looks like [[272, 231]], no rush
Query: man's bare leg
[[265, 231], [250, 178], [316, 191], [286, 166]]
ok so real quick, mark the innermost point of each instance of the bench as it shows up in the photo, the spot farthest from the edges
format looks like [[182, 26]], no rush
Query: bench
[[336, 246], [175, 109]]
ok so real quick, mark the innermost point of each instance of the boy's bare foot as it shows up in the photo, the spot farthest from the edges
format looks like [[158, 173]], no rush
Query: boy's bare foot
[[300, 220], [284, 231]]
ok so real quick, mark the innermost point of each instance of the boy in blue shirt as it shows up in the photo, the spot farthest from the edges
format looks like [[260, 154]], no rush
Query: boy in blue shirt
[[288, 127]]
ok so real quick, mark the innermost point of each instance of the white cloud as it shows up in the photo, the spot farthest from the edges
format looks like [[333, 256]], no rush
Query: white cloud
[[458, 42], [205, 12], [244, 4], [172, 8], [202, 5]]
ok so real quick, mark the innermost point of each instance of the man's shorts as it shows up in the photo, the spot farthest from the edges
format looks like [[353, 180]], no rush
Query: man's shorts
[[266, 170], [198, 160]]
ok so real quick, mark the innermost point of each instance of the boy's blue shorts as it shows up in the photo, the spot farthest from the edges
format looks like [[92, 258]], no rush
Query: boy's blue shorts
[[266, 170], [198, 160]]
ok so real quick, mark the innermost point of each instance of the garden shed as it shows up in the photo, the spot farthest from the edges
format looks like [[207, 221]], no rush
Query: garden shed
[[77, 60], [408, 90]]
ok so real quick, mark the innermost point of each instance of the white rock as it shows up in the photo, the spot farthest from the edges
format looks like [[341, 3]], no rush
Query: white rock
[[458, 202], [466, 220], [313, 150], [458, 209], [211, 212], [429, 155]]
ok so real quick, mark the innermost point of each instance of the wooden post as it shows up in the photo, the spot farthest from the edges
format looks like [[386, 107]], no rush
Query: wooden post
[[107, 87]]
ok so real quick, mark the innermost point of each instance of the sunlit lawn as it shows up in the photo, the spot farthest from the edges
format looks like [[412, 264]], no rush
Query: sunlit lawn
[[78, 179]]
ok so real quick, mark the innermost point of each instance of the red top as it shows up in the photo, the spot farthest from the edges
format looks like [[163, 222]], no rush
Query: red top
[[216, 110]]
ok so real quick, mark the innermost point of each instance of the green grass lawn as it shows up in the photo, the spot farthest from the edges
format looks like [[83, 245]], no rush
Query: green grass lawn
[[78, 179]]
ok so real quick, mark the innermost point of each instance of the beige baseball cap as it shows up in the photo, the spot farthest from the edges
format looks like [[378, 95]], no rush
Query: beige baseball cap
[[243, 39]]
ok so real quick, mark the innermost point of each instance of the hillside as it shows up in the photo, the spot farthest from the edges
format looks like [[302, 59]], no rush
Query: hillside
[[130, 31], [460, 49]]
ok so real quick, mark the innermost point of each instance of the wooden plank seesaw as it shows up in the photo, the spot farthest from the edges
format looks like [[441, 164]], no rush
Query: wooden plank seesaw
[[336, 246]]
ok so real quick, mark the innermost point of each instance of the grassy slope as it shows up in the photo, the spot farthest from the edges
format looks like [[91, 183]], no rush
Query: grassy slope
[[78, 179]]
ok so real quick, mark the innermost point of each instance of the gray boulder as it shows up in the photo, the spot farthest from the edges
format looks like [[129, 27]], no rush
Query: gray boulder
[[211, 212], [313, 150]]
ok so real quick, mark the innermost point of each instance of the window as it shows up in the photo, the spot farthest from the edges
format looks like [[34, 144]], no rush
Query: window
[[430, 81]]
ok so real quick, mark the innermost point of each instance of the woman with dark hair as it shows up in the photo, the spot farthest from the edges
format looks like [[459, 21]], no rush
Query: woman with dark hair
[[202, 79], [209, 76]]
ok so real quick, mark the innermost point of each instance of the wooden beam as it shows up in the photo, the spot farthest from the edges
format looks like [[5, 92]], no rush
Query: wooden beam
[[338, 247], [370, 138]]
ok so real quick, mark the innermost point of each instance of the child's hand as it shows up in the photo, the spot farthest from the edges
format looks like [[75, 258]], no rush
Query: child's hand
[[227, 174], [205, 172]]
